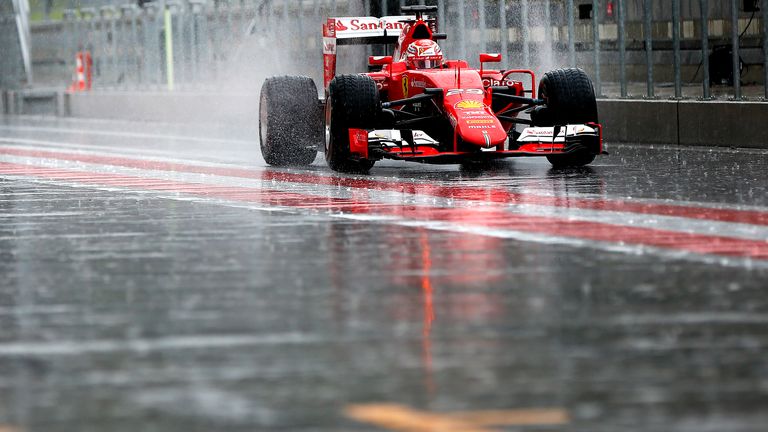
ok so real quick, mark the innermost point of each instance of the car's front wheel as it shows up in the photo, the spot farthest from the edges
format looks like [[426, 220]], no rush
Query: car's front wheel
[[570, 99], [353, 102]]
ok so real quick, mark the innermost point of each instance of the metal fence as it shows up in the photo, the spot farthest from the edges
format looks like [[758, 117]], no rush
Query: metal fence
[[631, 48], [205, 43]]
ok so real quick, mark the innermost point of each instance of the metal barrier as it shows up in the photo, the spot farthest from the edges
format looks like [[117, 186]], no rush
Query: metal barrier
[[206, 39], [631, 48]]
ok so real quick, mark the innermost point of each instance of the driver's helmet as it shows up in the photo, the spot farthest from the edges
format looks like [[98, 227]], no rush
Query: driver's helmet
[[424, 54]]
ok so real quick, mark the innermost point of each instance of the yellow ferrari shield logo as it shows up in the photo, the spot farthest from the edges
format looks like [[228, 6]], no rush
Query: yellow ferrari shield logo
[[405, 85], [469, 104]]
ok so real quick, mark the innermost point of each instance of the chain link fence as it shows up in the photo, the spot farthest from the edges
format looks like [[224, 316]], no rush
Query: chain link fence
[[631, 48]]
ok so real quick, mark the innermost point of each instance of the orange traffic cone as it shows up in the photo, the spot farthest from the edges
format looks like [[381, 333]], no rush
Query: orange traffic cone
[[83, 72]]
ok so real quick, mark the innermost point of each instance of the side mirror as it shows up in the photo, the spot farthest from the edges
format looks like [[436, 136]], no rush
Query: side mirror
[[379, 60], [490, 58]]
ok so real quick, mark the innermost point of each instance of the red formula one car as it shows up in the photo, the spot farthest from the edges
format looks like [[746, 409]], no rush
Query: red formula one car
[[420, 107]]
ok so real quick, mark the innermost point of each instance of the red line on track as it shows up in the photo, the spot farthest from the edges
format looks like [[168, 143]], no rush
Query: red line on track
[[493, 218], [490, 195]]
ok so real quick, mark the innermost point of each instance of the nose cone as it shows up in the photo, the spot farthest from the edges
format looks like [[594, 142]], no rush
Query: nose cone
[[476, 124]]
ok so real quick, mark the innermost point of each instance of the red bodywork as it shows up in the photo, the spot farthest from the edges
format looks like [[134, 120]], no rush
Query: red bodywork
[[466, 102]]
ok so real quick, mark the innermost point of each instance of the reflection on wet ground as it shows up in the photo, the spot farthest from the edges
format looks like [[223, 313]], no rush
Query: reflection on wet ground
[[164, 305]]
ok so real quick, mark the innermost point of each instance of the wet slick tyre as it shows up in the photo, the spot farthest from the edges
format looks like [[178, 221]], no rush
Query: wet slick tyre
[[353, 102], [290, 121], [570, 99]]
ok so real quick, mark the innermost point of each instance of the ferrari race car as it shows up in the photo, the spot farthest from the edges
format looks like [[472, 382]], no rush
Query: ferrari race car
[[414, 105]]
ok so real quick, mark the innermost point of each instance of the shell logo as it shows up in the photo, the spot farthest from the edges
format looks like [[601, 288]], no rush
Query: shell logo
[[468, 104]]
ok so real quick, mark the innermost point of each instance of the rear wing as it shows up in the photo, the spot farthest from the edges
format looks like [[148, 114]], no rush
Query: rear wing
[[358, 31], [367, 30]]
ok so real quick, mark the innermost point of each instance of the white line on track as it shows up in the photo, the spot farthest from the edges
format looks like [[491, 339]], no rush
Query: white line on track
[[32, 120], [171, 156], [139, 135], [76, 348]]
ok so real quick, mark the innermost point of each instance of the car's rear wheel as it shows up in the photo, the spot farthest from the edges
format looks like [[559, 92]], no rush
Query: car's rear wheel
[[290, 121], [353, 102], [570, 99]]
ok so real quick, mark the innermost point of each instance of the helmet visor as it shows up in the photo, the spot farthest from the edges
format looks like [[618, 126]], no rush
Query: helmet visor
[[425, 64]]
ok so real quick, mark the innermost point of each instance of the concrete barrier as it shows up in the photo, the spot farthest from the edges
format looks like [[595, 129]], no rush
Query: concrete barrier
[[33, 102], [685, 122], [722, 123], [9, 102], [639, 121]]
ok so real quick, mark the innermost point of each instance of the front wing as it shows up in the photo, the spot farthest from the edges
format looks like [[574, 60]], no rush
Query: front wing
[[417, 146]]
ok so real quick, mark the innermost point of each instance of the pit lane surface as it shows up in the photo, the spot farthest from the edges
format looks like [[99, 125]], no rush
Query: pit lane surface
[[164, 277]]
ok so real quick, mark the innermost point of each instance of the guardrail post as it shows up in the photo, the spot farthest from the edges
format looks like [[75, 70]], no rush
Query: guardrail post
[[525, 34], [198, 37], [300, 24], [676, 47], [178, 35], [620, 4], [483, 32], [596, 45], [107, 15], [130, 42], [88, 26], [225, 48], [503, 30], [205, 40], [187, 35], [463, 27], [317, 22], [735, 48], [548, 33], [765, 49], [441, 14], [118, 41], [571, 36], [135, 43], [151, 57], [648, 30], [223, 37], [70, 23], [704, 7]]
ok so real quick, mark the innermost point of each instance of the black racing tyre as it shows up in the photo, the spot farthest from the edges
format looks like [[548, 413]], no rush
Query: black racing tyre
[[290, 121], [570, 99], [353, 102]]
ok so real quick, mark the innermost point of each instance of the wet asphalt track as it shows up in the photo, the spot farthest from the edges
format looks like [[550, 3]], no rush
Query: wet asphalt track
[[160, 278]]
